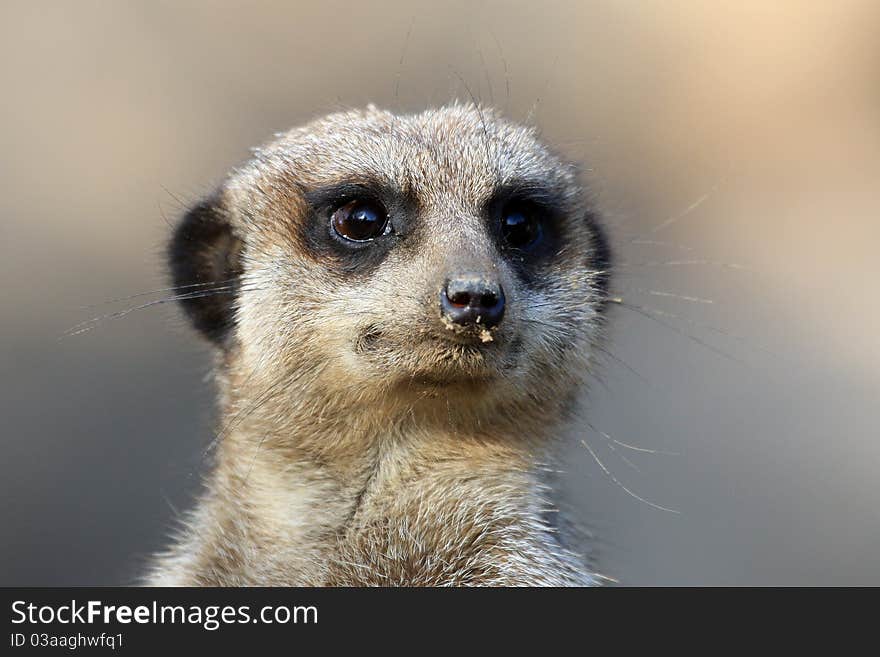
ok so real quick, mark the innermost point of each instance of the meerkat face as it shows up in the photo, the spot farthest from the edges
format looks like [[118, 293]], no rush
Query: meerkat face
[[444, 255]]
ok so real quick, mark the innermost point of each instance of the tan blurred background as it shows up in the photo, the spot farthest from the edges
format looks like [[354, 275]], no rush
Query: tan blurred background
[[763, 117]]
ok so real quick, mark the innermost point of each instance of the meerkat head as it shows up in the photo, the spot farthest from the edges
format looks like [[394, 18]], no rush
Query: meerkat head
[[442, 260]]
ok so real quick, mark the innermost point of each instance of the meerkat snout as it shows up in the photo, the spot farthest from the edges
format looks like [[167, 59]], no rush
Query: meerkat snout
[[472, 300]]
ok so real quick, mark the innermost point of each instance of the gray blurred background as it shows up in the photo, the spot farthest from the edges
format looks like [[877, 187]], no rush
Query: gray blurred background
[[756, 124]]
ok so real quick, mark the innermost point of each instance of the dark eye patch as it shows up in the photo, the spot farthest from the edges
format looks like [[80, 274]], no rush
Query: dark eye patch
[[526, 220], [355, 258], [533, 256]]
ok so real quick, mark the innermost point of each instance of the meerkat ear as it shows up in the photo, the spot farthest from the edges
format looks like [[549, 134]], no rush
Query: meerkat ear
[[205, 261]]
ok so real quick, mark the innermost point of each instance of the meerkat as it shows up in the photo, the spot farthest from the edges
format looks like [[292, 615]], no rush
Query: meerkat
[[404, 310]]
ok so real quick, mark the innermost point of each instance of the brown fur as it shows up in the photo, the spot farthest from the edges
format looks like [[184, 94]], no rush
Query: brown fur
[[359, 443]]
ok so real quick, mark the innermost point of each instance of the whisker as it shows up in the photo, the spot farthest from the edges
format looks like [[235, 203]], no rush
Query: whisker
[[504, 63], [623, 458], [609, 438], [260, 402], [620, 361], [643, 449], [659, 243], [215, 439], [747, 341], [543, 91], [89, 324], [688, 263], [478, 107], [485, 69], [149, 292], [652, 316], [619, 483], [693, 206], [94, 322], [248, 410], [666, 223], [172, 195], [163, 215], [673, 295], [402, 56]]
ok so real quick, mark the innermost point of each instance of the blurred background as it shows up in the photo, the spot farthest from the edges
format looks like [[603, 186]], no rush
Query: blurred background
[[734, 149]]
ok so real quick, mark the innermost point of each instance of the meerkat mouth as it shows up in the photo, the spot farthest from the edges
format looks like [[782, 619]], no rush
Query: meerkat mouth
[[431, 360], [451, 345]]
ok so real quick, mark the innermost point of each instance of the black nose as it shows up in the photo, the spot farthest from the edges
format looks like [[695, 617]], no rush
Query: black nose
[[472, 300]]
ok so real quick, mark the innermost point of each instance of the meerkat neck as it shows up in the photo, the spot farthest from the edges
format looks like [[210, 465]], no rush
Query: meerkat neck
[[370, 458], [465, 508]]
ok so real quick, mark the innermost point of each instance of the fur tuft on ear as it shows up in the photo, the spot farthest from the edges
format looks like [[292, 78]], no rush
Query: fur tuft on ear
[[204, 258]]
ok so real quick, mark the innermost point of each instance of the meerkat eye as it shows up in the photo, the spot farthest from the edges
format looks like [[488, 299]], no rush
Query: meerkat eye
[[360, 221], [521, 226]]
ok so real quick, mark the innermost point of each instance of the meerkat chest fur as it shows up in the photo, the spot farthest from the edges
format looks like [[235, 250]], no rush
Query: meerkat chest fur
[[403, 309]]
